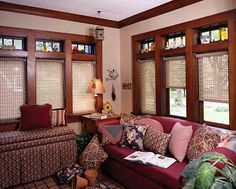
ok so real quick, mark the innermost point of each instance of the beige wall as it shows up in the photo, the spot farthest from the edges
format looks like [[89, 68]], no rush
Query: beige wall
[[201, 9]]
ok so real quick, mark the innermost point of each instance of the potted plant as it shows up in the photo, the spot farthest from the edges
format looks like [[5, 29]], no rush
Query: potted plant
[[212, 170]]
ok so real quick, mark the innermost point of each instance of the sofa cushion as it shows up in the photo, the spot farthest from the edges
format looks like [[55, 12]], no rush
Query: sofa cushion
[[93, 155], [133, 136], [204, 139], [167, 177], [35, 116], [111, 134], [156, 141], [129, 119], [152, 123], [58, 117], [180, 138]]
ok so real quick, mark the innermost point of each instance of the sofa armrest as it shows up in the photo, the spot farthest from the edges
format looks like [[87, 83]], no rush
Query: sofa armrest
[[227, 152], [109, 122]]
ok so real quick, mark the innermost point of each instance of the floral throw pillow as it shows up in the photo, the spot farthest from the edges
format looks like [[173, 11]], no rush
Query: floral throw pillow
[[133, 136], [156, 141], [93, 155], [203, 140]]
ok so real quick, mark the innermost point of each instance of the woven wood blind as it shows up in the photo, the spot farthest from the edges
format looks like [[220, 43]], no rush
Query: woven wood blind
[[12, 87], [175, 72], [82, 73], [213, 77], [147, 86], [50, 82]]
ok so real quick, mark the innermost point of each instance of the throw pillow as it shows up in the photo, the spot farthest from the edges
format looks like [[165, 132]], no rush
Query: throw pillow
[[35, 116], [204, 139], [156, 141], [59, 117], [93, 155], [111, 134], [129, 119], [133, 136], [152, 123], [180, 138]]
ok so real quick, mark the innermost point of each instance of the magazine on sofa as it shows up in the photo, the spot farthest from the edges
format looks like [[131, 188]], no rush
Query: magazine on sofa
[[149, 158]]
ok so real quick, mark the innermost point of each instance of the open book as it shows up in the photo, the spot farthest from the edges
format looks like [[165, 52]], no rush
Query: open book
[[149, 158]]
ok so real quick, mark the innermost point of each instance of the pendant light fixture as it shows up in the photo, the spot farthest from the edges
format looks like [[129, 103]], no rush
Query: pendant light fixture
[[99, 30]]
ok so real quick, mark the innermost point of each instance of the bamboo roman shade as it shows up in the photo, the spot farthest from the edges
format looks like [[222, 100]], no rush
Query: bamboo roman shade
[[175, 72], [147, 86], [82, 73], [12, 87], [213, 77], [50, 82]]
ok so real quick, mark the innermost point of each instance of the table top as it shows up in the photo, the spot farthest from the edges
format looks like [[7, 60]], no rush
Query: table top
[[102, 117]]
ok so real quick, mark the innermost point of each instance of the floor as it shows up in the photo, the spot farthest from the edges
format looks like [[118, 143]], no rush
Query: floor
[[103, 182]]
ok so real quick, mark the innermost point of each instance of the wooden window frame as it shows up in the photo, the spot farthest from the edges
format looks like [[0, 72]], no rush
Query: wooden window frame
[[30, 54]]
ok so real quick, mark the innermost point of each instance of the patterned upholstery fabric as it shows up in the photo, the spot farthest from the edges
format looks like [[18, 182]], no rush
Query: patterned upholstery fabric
[[156, 141], [111, 134], [133, 136], [204, 139], [93, 155], [59, 117], [40, 153], [129, 119]]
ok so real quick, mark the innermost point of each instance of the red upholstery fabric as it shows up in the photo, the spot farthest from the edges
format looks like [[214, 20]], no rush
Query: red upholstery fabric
[[166, 177], [35, 116]]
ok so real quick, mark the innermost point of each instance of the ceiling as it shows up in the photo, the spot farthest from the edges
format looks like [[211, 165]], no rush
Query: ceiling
[[110, 9]]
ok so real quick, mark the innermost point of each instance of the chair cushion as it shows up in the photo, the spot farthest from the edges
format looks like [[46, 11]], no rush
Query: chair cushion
[[35, 116]]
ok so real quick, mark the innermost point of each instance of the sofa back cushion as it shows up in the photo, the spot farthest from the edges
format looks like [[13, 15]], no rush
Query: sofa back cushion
[[168, 123], [35, 116]]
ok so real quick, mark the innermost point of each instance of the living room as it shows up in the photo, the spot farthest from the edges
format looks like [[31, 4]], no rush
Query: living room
[[144, 37]]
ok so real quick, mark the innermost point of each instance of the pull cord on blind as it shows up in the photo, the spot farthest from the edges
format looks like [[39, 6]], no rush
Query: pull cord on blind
[[213, 77], [175, 72], [50, 82], [147, 86], [82, 73], [13, 87]]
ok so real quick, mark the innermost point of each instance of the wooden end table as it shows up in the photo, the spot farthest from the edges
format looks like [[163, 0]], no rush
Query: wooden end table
[[89, 125]]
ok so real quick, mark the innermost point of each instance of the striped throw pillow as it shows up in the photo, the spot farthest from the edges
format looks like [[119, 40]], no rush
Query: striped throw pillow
[[58, 117]]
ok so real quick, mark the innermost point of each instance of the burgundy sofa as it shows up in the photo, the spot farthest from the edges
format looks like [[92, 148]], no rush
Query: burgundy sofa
[[137, 176]]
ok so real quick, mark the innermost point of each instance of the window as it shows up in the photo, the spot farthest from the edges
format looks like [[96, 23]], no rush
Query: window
[[147, 86], [82, 73], [213, 86], [13, 87], [50, 82], [175, 72]]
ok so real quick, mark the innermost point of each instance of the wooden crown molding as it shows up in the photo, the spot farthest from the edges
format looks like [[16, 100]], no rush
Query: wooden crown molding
[[57, 14], [167, 7]]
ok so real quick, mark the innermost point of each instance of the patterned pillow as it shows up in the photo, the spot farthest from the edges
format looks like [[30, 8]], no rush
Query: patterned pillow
[[156, 141], [58, 117], [129, 119], [204, 139], [111, 134], [133, 136], [93, 155]]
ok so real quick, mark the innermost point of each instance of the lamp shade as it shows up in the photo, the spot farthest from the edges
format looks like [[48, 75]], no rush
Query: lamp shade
[[96, 87]]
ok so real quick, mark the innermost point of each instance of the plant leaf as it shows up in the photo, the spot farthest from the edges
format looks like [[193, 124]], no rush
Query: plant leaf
[[214, 156], [190, 184], [221, 184], [191, 169], [205, 176], [233, 178]]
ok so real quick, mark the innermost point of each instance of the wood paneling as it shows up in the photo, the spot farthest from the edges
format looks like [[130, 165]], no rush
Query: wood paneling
[[57, 14]]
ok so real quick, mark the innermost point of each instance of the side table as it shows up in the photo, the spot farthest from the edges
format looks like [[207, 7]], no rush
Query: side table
[[89, 125]]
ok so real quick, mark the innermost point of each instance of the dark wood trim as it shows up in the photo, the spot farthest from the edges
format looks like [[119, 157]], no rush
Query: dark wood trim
[[167, 7], [57, 14], [99, 99], [86, 57], [173, 52], [147, 55], [31, 70], [54, 55], [211, 47], [232, 73], [13, 53]]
